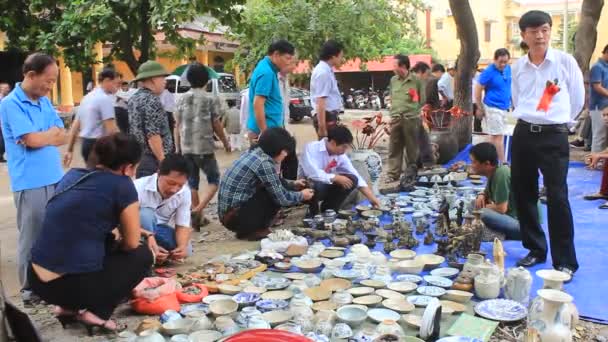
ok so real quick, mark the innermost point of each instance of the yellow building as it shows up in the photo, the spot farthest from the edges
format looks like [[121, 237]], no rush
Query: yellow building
[[497, 25]]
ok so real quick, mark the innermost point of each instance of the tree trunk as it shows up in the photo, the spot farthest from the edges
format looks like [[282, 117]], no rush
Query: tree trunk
[[586, 35], [146, 32], [467, 65]]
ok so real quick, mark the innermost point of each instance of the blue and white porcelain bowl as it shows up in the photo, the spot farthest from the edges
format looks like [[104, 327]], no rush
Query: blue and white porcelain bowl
[[271, 305], [246, 298]]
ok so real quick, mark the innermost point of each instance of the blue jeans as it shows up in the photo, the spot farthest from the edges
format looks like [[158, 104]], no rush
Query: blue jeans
[[501, 223], [164, 234]]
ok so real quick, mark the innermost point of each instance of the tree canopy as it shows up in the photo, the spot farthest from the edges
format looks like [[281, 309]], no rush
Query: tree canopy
[[72, 27], [367, 28]]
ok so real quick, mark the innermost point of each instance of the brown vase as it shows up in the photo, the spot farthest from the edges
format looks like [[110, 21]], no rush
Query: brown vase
[[447, 144]]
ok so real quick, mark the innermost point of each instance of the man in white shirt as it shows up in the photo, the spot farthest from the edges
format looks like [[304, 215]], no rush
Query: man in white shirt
[[165, 200], [95, 116], [540, 142], [324, 93], [445, 86], [325, 163]]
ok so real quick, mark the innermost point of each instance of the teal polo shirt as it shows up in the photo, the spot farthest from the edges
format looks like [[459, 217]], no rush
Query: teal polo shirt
[[29, 168], [265, 82]]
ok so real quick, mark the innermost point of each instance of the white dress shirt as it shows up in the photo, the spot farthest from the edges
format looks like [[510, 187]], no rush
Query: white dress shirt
[[323, 83], [173, 211], [285, 89], [446, 85], [316, 159], [529, 82]]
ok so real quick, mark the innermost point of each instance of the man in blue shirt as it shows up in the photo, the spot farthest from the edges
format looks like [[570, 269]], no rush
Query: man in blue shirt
[[598, 100], [265, 101], [32, 131], [324, 92], [495, 80]]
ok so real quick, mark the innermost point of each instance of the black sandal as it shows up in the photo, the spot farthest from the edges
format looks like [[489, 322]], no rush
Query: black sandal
[[603, 206], [594, 197], [101, 327]]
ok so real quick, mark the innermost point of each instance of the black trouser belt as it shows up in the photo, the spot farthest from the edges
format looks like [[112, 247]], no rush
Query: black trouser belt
[[534, 128]]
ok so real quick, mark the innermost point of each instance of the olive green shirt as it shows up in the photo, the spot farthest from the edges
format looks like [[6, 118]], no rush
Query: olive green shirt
[[499, 191], [401, 100]]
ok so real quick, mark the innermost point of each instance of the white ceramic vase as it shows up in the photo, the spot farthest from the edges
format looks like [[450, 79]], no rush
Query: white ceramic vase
[[372, 161], [518, 284], [550, 318]]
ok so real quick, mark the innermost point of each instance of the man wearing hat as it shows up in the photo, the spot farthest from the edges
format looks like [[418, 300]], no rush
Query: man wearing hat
[[147, 119], [446, 86]]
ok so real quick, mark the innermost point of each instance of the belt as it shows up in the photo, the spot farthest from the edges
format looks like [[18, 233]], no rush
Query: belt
[[552, 128]]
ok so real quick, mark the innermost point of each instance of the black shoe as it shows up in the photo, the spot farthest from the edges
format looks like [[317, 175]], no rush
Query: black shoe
[[568, 271], [2, 160], [578, 143], [530, 260]]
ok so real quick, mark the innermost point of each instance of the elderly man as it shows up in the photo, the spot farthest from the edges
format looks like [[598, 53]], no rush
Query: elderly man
[[324, 92], [164, 200], [147, 118], [540, 141], [32, 132]]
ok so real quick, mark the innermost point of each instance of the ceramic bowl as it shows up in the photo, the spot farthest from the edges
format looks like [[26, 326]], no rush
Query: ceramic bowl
[[277, 317], [341, 331], [447, 272], [456, 307], [410, 266], [418, 300], [317, 293], [324, 305], [271, 305], [331, 254], [223, 307], [403, 254], [438, 281], [379, 315], [458, 296], [335, 284], [352, 315], [362, 208], [309, 266], [291, 327], [369, 300], [398, 305], [228, 289], [431, 291], [150, 335], [360, 291], [277, 295], [347, 274], [246, 298], [389, 294], [178, 326], [431, 261], [205, 336], [345, 214], [377, 284], [284, 266], [198, 307], [181, 338], [412, 278], [212, 298], [402, 286], [412, 320], [371, 214], [294, 276]]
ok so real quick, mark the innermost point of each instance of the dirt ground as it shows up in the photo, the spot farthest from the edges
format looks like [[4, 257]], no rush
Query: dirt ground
[[212, 241]]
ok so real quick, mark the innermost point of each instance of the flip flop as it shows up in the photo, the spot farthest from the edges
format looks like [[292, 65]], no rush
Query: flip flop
[[604, 206], [594, 197]]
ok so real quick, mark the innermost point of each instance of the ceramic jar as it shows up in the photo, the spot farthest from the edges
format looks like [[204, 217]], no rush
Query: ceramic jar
[[329, 216], [257, 323], [341, 331], [389, 326], [302, 315], [360, 250], [341, 298], [473, 263], [378, 258], [243, 317], [487, 286], [318, 221], [518, 285], [549, 319], [300, 299]]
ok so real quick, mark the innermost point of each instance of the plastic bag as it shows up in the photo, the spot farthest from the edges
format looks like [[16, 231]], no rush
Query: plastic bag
[[154, 287], [184, 297], [281, 246]]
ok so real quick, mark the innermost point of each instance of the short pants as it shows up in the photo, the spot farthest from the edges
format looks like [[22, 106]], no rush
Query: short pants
[[494, 121], [208, 164]]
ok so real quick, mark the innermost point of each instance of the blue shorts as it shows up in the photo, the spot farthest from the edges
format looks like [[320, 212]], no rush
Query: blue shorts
[[208, 164]]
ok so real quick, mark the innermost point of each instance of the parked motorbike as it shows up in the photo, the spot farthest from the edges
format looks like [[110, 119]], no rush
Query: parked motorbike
[[361, 101], [374, 100], [387, 99]]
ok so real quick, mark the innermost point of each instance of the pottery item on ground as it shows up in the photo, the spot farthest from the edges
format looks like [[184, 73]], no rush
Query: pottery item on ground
[[318, 293], [347, 274], [126, 336], [329, 216], [431, 261], [369, 300], [266, 305], [367, 334], [228, 289], [340, 242], [550, 318], [487, 286], [148, 324], [205, 336], [360, 251], [352, 315], [412, 278], [201, 323], [226, 325], [432, 291], [378, 258], [412, 320], [419, 300], [276, 317], [379, 315], [255, 289], [180, 338], [341, 331], [150, 336], [361, 291], [402, 286], [411, 266], [438, 281], [390, 294], [180, 326], [353, 239], [332, 253], [223, 307], [518, 285], [456, 307], [294, 276], [553, 279], [341, 298], [324, 305], [389, 327], [361, 208], [258, 323], [403, 254], [243, 317], [291, 327], [400, 305], [430, 328], [171, 315], [458, 296], [346, 214], [447, 272], [377, 284], [308, 266], [284, 266], [279, 295], [246, 298], [371, 213], [502, 310], [474, 261]]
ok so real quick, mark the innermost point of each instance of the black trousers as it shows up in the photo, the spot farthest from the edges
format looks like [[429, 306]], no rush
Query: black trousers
[[98, 292], [122, 119], [86, 147], [289, 166], [329, 196], [254, 215], [547, 151], [147, 166]]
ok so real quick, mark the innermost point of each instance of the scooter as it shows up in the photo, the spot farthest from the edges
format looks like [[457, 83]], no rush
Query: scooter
[[374, 101], [360, 99]]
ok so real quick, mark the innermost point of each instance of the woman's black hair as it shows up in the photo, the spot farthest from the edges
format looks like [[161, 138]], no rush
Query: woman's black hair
[[37, 62], [485, 152], [276, 139], [197, 75], [115, 151], [329, 49], [534, 18], [340, 134]]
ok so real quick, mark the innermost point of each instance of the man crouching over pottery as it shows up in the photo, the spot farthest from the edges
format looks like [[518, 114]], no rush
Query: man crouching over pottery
[[164, 199], [252, 192], [496, 202]]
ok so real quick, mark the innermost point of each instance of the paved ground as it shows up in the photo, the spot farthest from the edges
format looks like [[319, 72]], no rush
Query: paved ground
[[212, 234]]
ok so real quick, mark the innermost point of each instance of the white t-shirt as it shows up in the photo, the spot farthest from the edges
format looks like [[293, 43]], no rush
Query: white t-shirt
[[173, 211]]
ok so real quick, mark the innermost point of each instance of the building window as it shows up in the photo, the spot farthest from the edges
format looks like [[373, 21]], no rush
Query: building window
[[438, 24], [487, 29]]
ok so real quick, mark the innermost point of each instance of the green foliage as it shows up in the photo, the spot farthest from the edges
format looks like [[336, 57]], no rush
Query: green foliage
[[72, 27], [558, 38], [367, 28]]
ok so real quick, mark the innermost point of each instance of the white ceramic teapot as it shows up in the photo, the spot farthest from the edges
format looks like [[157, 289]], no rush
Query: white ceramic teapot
[[518, 284]]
